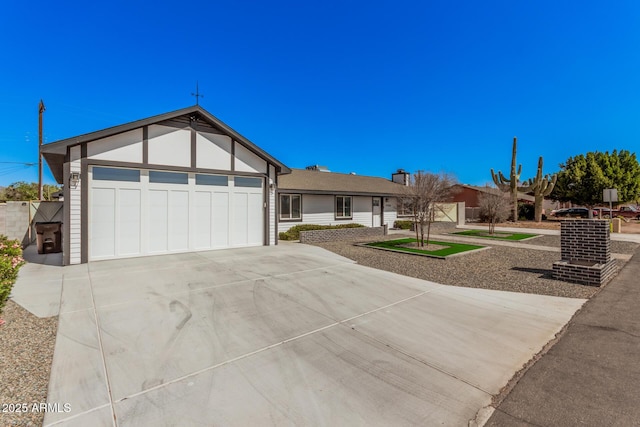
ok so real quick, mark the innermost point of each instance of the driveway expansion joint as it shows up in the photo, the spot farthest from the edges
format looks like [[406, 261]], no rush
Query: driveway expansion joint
[[102, 356]]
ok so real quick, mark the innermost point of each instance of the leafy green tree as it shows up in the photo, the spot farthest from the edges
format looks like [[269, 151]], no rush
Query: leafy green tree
[[582, 178], [22, 190]]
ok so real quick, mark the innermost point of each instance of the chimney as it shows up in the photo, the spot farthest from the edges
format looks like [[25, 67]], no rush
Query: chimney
[[400, 177], [317, 168]]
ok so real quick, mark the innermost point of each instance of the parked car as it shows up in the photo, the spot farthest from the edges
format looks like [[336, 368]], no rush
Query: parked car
[[573, 213], [627, 212], [601, 213], [555, 211], [624, 212]]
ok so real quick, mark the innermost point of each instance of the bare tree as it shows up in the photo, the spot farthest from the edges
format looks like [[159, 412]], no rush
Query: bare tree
[[425, 191], [494, 206]]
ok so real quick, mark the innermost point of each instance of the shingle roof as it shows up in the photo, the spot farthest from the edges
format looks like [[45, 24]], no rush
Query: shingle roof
[[316, 182]]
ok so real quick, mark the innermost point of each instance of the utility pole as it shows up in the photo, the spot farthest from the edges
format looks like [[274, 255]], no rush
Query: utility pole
[[41, 109]]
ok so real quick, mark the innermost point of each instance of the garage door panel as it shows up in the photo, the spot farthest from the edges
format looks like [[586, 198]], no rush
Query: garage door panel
[[103, 216], [178, 220], [158, 220], [203, 223], [240, 217], [255, 222], [220, 220], [129, 222]]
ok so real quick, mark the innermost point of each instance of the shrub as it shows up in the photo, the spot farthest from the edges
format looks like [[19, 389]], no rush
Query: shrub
[[403, 224], [294, 232], [526, 211], [10, 262]]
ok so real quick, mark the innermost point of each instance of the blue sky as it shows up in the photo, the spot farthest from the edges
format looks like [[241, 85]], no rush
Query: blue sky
[[358, 86]]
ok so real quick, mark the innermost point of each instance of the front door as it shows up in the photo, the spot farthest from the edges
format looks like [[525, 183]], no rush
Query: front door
[[376, 209]]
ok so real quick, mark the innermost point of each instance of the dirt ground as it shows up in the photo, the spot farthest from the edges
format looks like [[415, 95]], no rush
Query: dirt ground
[[631, 227]]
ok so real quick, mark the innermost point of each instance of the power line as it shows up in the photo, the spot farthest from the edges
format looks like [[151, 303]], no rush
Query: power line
[[21, 163]]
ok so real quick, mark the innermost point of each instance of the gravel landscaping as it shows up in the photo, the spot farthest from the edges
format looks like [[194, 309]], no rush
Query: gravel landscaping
[[26, 353], [500, 267]]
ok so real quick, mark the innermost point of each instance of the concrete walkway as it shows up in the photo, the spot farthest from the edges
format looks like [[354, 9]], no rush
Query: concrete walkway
[[496, 242], [592, 375], [614, 236], [286, 335], [39, 284]]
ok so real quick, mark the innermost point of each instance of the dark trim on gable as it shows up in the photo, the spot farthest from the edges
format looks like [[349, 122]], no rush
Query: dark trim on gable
[[178, 124], [59, 147], [194, 134], [84, 205], [111, 163], [233, 154], [145, 145]]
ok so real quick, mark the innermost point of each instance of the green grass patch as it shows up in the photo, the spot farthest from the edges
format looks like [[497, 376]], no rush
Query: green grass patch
[[499, 235], [450, 249]]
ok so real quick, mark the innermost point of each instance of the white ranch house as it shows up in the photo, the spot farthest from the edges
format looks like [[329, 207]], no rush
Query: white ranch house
[[185, 181], [328, 198]]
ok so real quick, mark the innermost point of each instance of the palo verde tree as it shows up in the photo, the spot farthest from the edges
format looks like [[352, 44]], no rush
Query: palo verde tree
[[425, 191], [582, 178], [511, 184]]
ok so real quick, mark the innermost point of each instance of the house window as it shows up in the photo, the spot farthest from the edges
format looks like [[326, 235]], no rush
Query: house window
[[343, 207], [240, 181], [219, 180], [161, 177], [405, 207], [290, 206], [114, 174]]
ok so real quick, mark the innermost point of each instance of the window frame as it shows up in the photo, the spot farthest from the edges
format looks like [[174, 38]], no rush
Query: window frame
[[107, 173], [157, 177], [248, 182], [211, 180], [290, 218], [335, 208]]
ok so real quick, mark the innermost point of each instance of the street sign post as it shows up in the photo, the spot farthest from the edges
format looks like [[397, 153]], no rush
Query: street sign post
[[610, 195]]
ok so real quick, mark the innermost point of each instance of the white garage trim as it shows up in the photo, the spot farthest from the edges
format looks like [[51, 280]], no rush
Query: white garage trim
[[139, 212]]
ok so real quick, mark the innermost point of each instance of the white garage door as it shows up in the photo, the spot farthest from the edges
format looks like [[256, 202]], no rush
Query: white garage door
[[138, 212]]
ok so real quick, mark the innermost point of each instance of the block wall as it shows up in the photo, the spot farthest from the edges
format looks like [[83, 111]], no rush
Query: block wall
[[585, 241], [318, 236], [585, 252]]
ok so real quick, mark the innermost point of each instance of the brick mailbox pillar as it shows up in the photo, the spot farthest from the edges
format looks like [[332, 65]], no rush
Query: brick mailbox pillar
[[585, 252]]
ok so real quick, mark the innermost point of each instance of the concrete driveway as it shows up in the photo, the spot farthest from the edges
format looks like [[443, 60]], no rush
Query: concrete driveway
[[286, 335]]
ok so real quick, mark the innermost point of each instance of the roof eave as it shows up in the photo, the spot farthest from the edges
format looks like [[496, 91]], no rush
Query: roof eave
[[339, 192]]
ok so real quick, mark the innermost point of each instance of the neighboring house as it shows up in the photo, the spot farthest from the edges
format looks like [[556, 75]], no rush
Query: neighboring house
[[469, 195], [327, 198], [177, 182]]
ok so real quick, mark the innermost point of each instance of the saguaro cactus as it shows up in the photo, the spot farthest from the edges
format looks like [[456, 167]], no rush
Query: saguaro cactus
[[511, 184], [541, 186]]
